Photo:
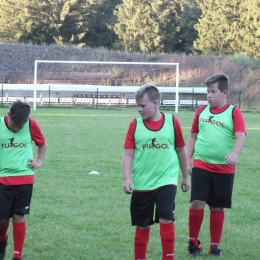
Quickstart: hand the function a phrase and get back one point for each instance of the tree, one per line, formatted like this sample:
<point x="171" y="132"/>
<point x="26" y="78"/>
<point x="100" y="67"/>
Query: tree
<point x="168" y="13"/>
<point x="100" y="16"/>
<point x="60" y="21"/>
<point x="147" y="26"/>
<point x="135" y="28"/>
<point x="75" y="22"/>
<point x="190" y="14"/>
<point x="12" y="17"/>
<point x="214" y="26"/>
<point x="250" y="28"/>
<point x="228" y="27"/>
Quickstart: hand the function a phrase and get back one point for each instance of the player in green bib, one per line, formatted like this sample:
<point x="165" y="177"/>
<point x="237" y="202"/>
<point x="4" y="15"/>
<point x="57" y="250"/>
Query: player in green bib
<point x="217" y="136"/>
<point x="17" y="165"/>
<point x="154" y="152"/>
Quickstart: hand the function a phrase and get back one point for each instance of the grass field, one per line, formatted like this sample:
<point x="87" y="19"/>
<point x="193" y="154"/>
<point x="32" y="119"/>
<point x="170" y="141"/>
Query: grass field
<point x="75" y="215"/>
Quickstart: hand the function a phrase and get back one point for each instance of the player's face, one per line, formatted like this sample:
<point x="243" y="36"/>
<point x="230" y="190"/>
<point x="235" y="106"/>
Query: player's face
<point x="216" y="98"/>
<point x="146" y="108"/>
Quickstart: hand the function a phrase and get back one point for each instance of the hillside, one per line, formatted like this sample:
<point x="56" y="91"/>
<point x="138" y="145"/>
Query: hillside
<point x="244" y="79"/>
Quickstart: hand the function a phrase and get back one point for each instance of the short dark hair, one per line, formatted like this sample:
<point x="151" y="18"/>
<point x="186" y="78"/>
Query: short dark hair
<point x="151" y="90"/>
<point x="221" y="79"/>
<point x="19" y="112"/>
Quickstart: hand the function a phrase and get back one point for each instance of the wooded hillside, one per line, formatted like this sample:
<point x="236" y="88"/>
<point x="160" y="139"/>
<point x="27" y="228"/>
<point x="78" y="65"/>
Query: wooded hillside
<point x="161" y="26"/>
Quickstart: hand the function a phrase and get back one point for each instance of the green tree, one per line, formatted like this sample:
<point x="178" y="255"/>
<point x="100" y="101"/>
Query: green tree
<point x="249" y="34"/>
<point x="61" y="21"/>
<point x="100" y="15"/>
<point x="228" y="27"/>
<point x="168" y="13"/>
<point x="12" y="17"/>
<point x="147" y="26"/>
<point x="190" y="14"/>
<point x="135" y="27"/>
<point x="74" y="22"/>
<point x="218" y="20"/>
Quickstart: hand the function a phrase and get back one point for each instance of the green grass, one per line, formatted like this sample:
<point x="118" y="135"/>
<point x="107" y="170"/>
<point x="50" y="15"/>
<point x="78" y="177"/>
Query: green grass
<point x="75" y="215"/>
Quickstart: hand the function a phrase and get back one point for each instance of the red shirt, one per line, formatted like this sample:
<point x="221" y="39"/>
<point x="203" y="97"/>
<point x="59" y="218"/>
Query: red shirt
<point x="154" y="125"/>
<point x="239" y="126"/>
<point x="39" y="140"/>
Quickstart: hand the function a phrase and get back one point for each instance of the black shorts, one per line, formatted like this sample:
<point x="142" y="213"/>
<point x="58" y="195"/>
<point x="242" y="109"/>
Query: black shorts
<point x="143" y="205"/>
<point x="15" y="200"/>
<point x="213" y="188"/>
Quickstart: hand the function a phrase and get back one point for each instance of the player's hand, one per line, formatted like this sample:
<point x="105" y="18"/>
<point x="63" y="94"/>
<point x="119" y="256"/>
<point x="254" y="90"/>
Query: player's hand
<point x="34" y="163"/>
<point x="128" y="187"/>
<point x="190" y="166"/>
<point x="231" y="158"/>
<point x="185" y="184"/>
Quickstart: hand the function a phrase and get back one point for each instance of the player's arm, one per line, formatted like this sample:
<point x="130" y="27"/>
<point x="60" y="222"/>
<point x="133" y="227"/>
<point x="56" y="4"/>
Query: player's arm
<point x="40" y="142"/>
<point x="36" y="163"/>
<point x="179" y="146"/>
<point x="193" y="137"/>
<point x="231" y="158"/>
<point x="190" y="147"/>
<point x="182" y="157"/>
<point x="240" y="133"/>
<point x="127" y="166"/>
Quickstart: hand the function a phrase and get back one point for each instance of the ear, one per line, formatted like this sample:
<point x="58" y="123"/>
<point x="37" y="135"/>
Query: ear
<point x="156" y="102"/>
<point x="225" y="92"/>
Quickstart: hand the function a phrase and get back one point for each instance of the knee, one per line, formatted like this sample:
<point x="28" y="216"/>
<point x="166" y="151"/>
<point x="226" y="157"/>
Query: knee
<point x="4" y="222"/>
<point x="18" y="218"/>
<point x="197" y="204"/>
<point x="165" y="221"/>
<point x="213" y="209"/>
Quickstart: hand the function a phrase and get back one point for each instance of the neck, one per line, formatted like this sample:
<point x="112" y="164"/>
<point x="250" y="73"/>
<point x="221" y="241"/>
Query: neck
<point x="156" y="117"/>
<point x="222" y="105"/>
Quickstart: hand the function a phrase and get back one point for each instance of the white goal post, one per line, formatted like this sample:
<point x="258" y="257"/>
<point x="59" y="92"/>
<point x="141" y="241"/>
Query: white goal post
<point x="111" y="63"/>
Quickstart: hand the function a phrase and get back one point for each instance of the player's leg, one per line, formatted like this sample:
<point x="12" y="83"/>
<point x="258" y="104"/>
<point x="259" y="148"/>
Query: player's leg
<point x="6" y="196"/>
<point x="21" y="206"/>
<point x="4" y="224"/>
<point x="200" y="188"/>
<point x="142" y="208"/>
<point x="221" y="194"/>
<point x="165" y="206"/>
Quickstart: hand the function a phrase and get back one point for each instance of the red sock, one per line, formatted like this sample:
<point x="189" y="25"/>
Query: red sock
<point x="167" y="240"/>
<point x="3" y="232"/>
<point x="216" y="226"/>
<point x="19" y="230"/>
<point x="140" y="243"/>
<point x="195" y="221"/>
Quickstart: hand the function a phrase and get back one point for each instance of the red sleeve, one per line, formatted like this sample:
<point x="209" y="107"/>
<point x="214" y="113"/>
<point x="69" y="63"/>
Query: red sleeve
<point x="36" y="133"/>
<point x="179" y="140"/>
<point x="195" y="123"/>
<point x="239" y="122"/>
<point x="130" y="139"/>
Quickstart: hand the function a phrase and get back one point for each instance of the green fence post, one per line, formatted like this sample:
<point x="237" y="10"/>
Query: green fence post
<point x="192" y="107"/>
<point x="97" y="99"/>
<point x="2" y="95"/>
<point x="49" y="95"/>
<point x="239" y="99"/>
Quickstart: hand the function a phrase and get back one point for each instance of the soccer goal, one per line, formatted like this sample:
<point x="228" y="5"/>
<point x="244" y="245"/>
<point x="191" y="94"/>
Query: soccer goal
<point x="174" y="88"/>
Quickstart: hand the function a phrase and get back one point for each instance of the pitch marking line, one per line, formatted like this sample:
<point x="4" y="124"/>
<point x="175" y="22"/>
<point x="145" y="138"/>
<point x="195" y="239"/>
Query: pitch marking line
<point x="105" y="115"/>
<point x="76" y="115"/>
